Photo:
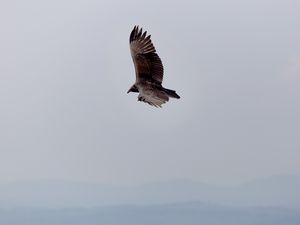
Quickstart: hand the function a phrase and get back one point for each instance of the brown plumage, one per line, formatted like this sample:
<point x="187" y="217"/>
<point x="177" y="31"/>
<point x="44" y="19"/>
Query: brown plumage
<point x="149" y="70"/>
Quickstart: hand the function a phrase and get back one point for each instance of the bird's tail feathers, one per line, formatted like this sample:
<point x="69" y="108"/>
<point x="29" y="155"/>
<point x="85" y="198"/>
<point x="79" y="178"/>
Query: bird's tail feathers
<point x="171" y="93"/>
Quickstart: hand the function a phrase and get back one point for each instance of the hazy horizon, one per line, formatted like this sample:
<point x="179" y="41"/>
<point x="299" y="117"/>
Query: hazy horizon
<point x="271" y="192"/>
<point x="157" y="181"/>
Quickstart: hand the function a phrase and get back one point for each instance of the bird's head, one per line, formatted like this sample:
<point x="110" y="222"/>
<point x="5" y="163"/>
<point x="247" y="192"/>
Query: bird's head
<point x="133" y="89"/>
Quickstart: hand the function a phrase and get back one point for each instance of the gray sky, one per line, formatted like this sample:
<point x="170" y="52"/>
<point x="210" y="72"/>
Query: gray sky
<point x="65" y="68"/>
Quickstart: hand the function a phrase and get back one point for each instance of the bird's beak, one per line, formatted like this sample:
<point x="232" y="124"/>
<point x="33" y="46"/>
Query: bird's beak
<point x="128" y="91"/>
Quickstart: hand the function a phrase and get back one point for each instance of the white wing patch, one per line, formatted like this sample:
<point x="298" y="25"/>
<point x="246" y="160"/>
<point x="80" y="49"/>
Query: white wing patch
<point x="155" y="98"/>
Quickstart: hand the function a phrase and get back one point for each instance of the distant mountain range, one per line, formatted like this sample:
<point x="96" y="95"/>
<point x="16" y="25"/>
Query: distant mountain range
<point x="189" y="213"/>
<point x="276" y="191"/>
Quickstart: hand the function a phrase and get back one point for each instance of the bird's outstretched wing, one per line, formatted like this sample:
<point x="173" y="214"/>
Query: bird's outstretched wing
<point x="148" y="65"/>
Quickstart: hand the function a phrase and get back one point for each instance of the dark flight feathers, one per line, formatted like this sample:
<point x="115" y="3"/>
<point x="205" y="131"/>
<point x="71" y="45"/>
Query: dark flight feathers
<point x="147" y="63"/>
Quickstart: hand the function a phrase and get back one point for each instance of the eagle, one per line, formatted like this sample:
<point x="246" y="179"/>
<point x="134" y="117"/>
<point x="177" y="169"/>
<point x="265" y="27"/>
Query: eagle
<point x="149" y="70"/>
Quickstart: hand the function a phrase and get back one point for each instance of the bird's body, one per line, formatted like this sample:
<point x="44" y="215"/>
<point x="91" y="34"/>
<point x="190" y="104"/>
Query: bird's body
<point x="149" y="70"/>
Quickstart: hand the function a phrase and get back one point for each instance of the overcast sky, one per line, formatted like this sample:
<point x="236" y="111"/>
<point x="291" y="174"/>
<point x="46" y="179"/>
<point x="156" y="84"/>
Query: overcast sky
<point x="65" y="67"/>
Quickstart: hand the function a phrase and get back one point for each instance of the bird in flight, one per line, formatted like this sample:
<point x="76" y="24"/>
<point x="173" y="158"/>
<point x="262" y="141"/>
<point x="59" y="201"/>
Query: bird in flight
<point x="149" y="70"/>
